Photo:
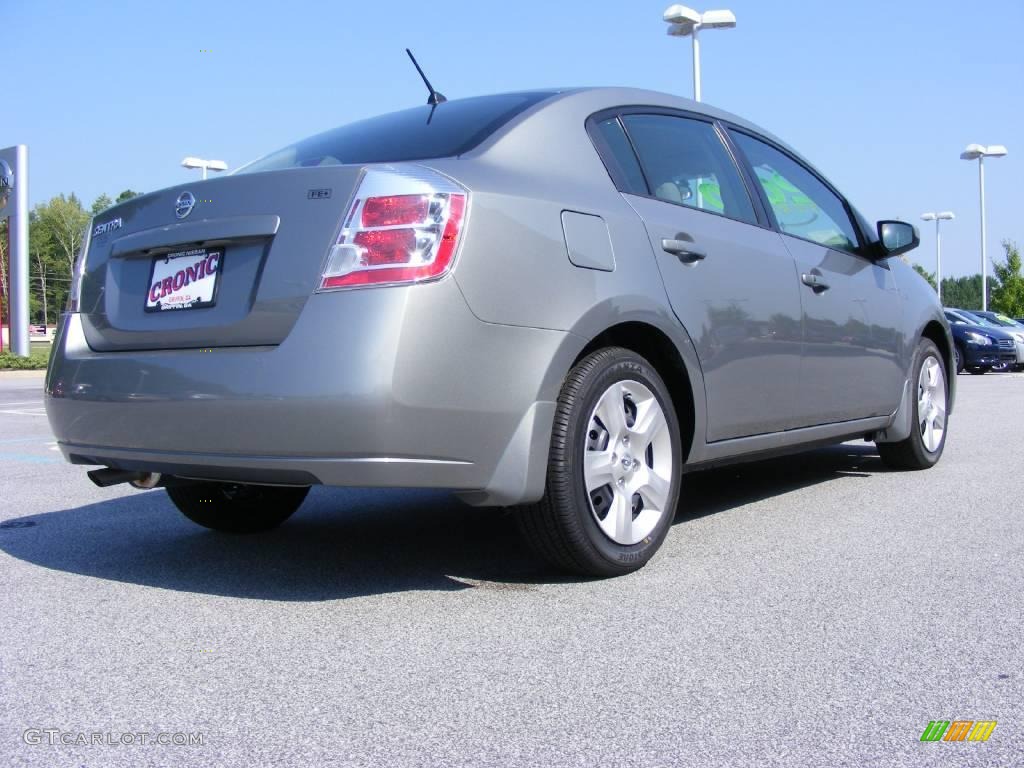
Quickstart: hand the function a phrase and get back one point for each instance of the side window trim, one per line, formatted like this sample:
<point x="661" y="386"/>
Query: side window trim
<point x="604" y="151"/>
<point x="764" y="213"/>
<point x="763" y="197"/>
<point x="761" y="212"/>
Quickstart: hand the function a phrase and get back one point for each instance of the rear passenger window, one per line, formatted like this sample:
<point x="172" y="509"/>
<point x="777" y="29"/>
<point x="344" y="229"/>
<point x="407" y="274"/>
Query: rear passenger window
<point x="803" y="205"/>
<point x="686" y="163"/>
<point x="619" y="158"/>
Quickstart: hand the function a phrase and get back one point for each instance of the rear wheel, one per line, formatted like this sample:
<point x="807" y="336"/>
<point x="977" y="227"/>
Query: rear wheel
<point x="613" y="472"/>
<point x="927" y="438"/>
<point x="236" y="508"/>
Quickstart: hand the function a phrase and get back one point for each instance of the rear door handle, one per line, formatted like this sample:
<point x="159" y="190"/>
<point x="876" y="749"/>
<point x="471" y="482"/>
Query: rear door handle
<point x="686" y="251"/>
<point x="814" y="281"/>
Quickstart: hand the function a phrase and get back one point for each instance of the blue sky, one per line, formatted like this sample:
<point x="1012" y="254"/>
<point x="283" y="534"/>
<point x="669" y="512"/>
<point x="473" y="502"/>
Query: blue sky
<point x="881" y="96"/>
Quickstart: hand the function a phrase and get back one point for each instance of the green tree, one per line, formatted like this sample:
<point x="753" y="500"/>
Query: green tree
<point x="1008" y="293"/>
<point x="101" y="204"/>
<point x="962" y="292"/>
<point x="926" y="275"/>
<point x="128" y="194"/>
<point x="55" y="237"/>
<point x="62" y="221"/>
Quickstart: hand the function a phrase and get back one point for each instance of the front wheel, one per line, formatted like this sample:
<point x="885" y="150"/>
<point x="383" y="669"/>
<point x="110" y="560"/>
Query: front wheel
<point x="923" y="447"/>
<point x="958" y="359"/>
<point x="236" y="508"/>
<point x="614" y="468"/>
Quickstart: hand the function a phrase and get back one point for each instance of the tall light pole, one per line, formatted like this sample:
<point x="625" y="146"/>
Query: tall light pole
<point x="938" y="218"/>
<point x="198" y="162"/>
<point x="979" y="153"/>
<point x="686" y="22"/>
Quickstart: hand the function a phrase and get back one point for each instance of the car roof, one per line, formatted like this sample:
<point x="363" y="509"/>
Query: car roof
<point x="618" y="96"/>
<point x="588" y="100"/>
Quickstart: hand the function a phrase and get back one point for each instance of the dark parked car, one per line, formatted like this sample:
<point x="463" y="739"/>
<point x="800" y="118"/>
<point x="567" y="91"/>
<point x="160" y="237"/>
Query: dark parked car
<point x="1007" y="325"/>
<point x="563" y="300"/>
<point x="979" y="348"/>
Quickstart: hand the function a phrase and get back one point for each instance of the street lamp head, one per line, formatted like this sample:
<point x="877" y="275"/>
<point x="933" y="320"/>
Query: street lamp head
<point x="946" y="216"/>
<point x="680" y="14"/>
<point x="718" y="20"/>
<point x="684" y="20"/>
<point x="681" y="30"/>
<point x="198" y="162"/>
<point x="974" y="151"/>
<point x="927" y="217"/>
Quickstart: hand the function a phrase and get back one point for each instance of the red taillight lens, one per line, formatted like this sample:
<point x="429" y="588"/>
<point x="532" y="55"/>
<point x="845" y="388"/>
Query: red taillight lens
<point x="384" y="247"/>
<point x="395" y="210"/>
<point x="390" y="239"/>
<point x="452" y="227"/>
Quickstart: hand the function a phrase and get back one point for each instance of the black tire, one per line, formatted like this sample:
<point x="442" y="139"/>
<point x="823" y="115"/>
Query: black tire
<point x="235" y="508"/>
<point x="562" y="527"/>
<point x="958" y="358"/>
<point x="912" y="452"/>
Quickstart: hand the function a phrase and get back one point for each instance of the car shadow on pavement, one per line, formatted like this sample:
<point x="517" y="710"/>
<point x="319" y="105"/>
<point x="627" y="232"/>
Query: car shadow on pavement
<point x="716" y="490"/>
<point x="355" y="542"/>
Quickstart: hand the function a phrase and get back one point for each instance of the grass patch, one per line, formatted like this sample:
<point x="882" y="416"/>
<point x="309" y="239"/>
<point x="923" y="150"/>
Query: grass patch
<point x="37" y="360"/>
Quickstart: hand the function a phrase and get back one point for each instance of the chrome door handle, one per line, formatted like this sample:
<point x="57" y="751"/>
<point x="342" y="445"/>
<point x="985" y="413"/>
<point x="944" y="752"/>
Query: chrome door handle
<point x="814" y="281"/>
<point x="686" y="251"/>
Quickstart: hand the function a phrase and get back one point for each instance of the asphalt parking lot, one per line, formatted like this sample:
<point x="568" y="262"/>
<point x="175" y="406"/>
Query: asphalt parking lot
<point x="810" y="611"/>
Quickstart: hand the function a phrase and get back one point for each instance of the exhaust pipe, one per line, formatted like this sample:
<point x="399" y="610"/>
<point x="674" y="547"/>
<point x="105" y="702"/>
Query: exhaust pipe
<point x="147" y="480"/>
<point x="107" y="477"/>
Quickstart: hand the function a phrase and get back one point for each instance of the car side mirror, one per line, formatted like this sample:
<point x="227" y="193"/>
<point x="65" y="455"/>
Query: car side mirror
<point x="896" y="237"/>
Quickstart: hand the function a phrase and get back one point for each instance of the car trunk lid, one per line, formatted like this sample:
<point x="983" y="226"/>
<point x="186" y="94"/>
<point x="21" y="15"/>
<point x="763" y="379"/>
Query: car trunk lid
<point x="262" y="237"/>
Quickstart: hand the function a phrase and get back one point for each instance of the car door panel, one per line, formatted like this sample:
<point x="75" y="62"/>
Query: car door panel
<point x="730" y="281"/>
<point x="851" y="313"/>
<point x="850" y="367"/>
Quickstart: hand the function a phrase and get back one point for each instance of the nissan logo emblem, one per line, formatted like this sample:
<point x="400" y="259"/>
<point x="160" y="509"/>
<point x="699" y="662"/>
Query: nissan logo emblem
<point x="184" y="204"/>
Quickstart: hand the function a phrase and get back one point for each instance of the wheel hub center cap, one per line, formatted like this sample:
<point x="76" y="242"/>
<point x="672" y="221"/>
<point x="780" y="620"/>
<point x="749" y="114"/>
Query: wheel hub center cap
<point x="628" y="463"/>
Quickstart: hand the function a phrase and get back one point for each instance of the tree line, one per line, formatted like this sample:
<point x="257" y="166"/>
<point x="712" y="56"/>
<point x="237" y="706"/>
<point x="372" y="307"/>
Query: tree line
<point x="56" y="230"/>
<point x="1005" y="285"/>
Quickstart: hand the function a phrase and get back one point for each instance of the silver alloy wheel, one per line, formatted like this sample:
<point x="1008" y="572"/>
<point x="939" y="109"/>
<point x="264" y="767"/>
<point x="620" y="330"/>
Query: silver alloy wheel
<point x="627" y="462"/>
<point x="931" y="403"/>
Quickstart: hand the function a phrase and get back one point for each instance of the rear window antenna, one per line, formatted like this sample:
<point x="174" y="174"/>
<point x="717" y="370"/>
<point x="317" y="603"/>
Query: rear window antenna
<point x="436" y="97"/>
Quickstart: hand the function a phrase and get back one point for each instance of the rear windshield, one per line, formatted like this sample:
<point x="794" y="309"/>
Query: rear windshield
<point x="452" y="128"/>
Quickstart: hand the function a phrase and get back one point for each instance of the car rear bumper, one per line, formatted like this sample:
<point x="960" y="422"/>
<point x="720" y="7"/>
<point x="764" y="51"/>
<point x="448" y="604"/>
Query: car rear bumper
<point x="378" y="387"/>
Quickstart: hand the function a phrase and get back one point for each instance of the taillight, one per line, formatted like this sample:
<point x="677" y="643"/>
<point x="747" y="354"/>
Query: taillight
<point x="403" y="227"/>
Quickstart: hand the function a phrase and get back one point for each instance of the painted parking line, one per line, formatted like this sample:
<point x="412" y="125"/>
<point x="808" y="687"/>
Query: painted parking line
<point x="21" y="402"/>
<point x="42" y="440"/>
<point x="21" y="412"/>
